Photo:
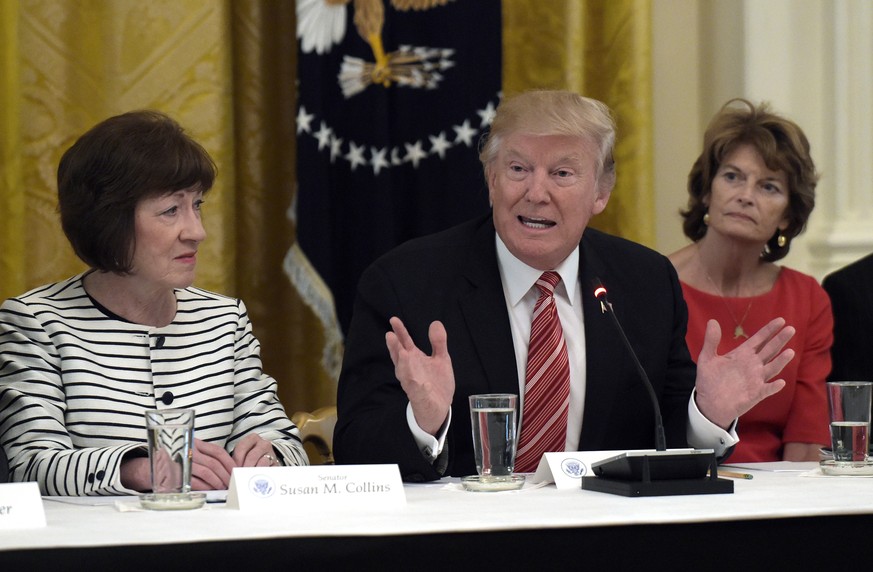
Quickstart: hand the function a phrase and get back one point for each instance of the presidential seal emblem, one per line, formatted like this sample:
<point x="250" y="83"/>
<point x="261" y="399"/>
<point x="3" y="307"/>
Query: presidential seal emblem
<point x="262" y="486"/>
<point x="573" y="468"/>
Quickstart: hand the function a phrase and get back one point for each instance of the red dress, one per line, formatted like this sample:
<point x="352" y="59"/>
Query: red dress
<point x="798" y="413"/>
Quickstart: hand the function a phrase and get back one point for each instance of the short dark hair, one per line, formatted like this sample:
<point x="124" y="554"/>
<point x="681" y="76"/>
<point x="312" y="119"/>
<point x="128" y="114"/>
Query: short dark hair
<point x="111" y="168"/>
<point x="783" y="147"/>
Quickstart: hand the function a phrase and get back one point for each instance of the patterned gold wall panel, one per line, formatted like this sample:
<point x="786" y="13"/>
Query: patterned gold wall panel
<point x="12" y="194"/>
<point x="82" y="61"/>
<point x="618" y="72"/>
<point x="535" y="44"/>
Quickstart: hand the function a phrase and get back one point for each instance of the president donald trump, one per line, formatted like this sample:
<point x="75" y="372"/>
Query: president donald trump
<point x="504" y="304"/>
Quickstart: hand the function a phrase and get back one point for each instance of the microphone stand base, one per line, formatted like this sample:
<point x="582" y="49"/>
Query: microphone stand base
<point x="671" y="487"/>
<point x="658" y="473"/>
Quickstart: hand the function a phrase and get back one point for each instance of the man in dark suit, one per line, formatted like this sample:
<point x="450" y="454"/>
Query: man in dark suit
<point x="851" y="293"/>
<point x="459" y="307"/>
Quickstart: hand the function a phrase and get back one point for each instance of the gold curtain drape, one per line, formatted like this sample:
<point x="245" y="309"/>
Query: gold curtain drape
<point x="225" y="69"/>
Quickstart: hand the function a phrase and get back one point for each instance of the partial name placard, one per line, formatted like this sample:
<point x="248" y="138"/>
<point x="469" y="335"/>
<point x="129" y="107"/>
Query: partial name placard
<point x="566" y="468"/>
<point x="343" y="487"/>
<point x="21" y="506"/>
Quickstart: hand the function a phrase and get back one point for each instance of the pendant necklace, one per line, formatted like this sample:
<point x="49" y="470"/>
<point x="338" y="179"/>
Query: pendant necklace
<point x="739" y="332"/>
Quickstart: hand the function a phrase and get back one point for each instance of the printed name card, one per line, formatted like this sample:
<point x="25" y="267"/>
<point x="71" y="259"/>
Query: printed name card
<point x="343" y="487"/>
<point x="567" y="468"/>
<point x="20" y="506"/>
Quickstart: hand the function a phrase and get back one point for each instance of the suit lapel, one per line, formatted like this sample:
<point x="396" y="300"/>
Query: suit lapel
<point x="483" y="308"/>
<point x="601" y="344"/>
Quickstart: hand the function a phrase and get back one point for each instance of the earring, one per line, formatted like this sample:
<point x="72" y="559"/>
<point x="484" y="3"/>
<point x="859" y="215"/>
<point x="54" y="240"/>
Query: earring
<point x="781" y="240"/>
<point x="706" y="219"/>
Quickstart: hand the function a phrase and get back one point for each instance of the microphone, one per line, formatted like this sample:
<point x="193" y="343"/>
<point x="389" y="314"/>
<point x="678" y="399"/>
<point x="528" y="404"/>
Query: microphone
<point x="606" y="308"/>
<point x="659" y="472"/>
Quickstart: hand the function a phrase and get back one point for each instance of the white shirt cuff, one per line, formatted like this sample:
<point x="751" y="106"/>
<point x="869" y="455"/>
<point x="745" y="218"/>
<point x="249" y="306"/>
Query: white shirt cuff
<point x="429" y="445"/>
<point x="704" y="434"/>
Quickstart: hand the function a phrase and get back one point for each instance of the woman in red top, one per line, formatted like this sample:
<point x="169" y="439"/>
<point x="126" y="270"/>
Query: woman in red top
<point x="750" y="193"/>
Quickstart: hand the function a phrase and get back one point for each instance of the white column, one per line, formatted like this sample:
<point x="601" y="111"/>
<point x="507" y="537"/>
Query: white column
<point x="847" y="231"/>
<point x="813" y="59"/>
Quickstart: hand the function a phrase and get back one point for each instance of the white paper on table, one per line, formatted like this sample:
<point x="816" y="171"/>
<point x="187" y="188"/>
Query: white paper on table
<point x="89" y="501"/>
<point x="21" y="506"/>
<point x="219" y="496"/>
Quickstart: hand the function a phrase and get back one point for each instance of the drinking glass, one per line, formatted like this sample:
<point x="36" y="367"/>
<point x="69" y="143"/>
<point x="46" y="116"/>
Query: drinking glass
<point x="493" y="417"/>
<point x="170" y="435"/>
<point x="849" y="403"/>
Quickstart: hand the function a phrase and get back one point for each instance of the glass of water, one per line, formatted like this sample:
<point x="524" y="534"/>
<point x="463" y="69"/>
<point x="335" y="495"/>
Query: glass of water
<point x="170" y="434"/>
<point x="493" y="417"/>
<point x="849" y="403"/>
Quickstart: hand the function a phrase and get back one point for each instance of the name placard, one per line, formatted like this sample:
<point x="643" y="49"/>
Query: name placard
<point x="343" y="487"/>
<point x="21" y="506"/>
<point x="565" y="469"/>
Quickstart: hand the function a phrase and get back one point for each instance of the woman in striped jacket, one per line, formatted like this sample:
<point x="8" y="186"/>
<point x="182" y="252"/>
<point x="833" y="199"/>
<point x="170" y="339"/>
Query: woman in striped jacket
<point x="82" y="359"/>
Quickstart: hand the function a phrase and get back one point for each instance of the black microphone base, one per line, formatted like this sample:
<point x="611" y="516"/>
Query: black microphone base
<point x="658" y="473"/>
<point x="704" y="486"/>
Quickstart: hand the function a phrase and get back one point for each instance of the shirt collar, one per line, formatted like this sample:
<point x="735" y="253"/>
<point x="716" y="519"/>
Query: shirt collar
<point x="519" y="278"/>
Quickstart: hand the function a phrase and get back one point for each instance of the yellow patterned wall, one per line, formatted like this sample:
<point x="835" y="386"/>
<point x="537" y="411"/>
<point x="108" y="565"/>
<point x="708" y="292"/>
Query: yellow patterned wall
<point x="82" y="61"/>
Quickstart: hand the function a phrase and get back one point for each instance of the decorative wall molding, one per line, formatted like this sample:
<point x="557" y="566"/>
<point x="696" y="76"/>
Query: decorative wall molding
<point x="812" y="59"/>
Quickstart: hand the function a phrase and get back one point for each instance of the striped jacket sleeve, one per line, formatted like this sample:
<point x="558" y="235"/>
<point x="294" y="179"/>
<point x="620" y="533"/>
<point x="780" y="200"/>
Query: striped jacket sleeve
<point x="32" y="413"/>
<point x="256" y="404"/>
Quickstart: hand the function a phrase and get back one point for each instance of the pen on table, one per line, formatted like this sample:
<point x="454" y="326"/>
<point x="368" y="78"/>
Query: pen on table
<point x="734" y="474"/>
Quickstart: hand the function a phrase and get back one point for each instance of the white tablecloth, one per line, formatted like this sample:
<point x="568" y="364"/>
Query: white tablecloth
<point x="442" y="507"/>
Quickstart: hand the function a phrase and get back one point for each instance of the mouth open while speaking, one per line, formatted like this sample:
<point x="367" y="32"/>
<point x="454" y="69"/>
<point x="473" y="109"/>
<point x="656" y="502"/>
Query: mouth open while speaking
<point x="536" y="223"/>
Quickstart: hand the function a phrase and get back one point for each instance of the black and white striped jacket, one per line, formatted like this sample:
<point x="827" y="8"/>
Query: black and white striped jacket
<point x="75" y="381"/>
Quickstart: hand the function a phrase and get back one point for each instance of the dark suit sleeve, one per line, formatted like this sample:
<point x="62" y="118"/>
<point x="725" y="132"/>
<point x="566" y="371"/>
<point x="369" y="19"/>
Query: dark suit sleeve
<point x="675" y="376"/>
<point x="371" y="405"/>
<point x="681" y="371"/>
<point x="681" y="374"/>
<point x="851" y="297"/>
<point x="647" y="299"/>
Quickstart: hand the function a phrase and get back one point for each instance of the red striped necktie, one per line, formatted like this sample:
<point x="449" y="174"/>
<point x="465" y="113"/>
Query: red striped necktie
<point x="547" y="382"/>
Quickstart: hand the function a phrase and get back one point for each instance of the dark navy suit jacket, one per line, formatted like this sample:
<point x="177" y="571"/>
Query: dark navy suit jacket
<point x="453" y="277"/>
<point x="851" y="293"/>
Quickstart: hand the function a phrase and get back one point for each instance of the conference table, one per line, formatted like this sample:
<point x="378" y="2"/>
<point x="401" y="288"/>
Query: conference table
<point x="787" y="515"/>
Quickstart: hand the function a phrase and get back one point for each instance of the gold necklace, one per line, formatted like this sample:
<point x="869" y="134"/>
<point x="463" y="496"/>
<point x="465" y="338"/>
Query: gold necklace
<point x="739" y="332"/>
